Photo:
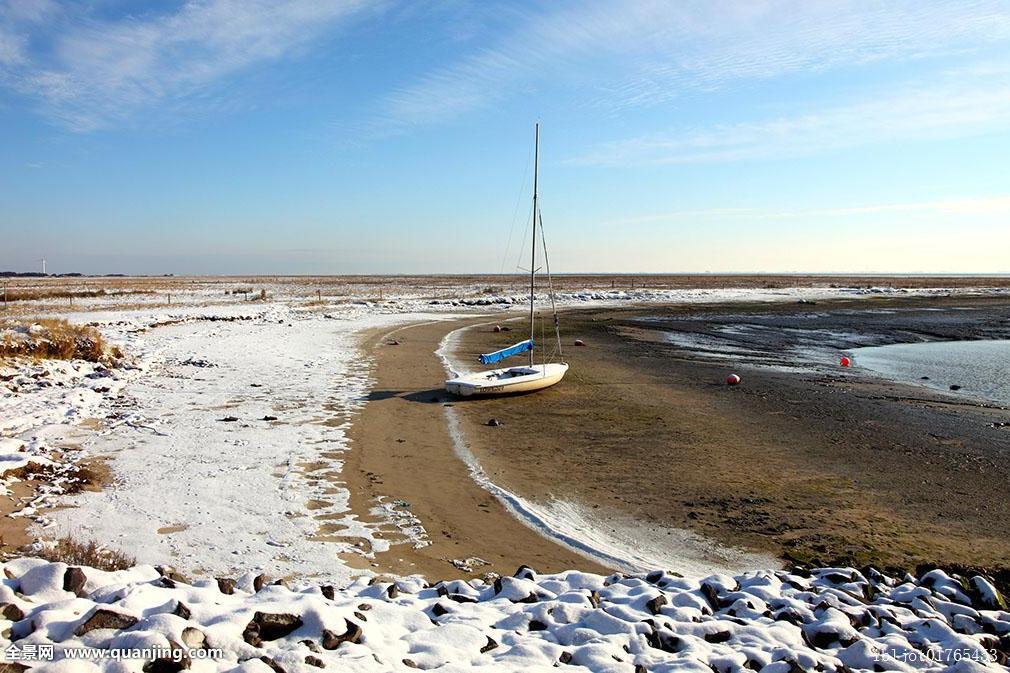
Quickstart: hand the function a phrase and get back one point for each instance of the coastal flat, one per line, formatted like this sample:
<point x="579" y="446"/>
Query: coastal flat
<point x="823" y="466"/>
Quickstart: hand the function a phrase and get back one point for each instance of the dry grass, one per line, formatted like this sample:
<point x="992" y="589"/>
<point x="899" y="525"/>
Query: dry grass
<point x="37" y="294"/>
<point x="54" y="338"/>
<point x="78" y="553"/>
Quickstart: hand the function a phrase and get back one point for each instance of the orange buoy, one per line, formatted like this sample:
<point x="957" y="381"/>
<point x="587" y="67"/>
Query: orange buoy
<point x="732" y="380"/>
<point x="845" y="361"/>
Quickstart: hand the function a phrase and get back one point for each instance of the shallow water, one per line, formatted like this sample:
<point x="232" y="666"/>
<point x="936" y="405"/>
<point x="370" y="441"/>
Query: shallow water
<point x="981" y="368"/>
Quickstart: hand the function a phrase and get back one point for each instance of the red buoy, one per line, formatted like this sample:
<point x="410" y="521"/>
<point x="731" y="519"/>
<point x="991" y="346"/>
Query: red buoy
<point x="845" y="361"/>
<point x="732" y="380"/>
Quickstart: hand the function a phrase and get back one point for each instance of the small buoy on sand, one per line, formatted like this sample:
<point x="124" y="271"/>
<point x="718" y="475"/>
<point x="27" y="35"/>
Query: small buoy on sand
<point x="497" y="328"/>
<point x="733" y="380"/>
<point x="580" y="342"/>
<point x="845" y="362"/>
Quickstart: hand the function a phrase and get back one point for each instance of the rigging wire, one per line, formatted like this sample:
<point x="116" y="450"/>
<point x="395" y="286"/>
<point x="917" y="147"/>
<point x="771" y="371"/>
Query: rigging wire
<point x="550" y="285"/>
<point x="515" y="212"/>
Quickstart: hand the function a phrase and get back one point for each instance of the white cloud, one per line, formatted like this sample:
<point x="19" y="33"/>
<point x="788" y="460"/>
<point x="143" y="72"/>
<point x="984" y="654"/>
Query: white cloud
<point x="952" y="108"/>
<point x="646" y="52"/>
<point x="97" y="72"/>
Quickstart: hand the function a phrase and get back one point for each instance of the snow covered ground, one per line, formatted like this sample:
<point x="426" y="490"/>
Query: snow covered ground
<point x="224" y="433"/>
<point x="833" y="619"/>
<point x="226" y="446"/>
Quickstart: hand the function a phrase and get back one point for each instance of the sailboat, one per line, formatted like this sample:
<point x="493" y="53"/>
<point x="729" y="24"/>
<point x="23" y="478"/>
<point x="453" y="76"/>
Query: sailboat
<point x="532" y="376"/>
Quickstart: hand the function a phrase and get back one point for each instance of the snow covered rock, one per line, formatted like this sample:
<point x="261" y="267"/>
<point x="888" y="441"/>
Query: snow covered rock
<point x="832" y="619"/>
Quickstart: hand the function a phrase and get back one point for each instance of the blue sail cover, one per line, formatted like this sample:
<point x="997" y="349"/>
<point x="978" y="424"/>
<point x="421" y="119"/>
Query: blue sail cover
<point x="498" y="356"/>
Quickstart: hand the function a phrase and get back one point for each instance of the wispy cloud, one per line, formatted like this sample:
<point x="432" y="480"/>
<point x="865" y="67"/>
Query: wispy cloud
<point x="92" y="73"/>
<point x="645" y="52"/>
<point x="955" y="107"/>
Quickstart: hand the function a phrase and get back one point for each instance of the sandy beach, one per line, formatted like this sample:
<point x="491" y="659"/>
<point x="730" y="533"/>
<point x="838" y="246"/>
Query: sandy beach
<point x="401" y="448"/>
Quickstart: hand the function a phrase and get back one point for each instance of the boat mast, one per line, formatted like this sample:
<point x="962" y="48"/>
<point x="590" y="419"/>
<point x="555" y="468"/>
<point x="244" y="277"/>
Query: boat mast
<point x="533" y="249"/>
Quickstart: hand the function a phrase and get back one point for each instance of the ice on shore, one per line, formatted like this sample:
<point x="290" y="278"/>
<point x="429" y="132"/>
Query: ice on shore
<point x="831" y="619"/>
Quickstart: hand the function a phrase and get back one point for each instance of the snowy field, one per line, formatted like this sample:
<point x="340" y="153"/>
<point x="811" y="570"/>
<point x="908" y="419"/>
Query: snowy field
<point x="224" y="430"/>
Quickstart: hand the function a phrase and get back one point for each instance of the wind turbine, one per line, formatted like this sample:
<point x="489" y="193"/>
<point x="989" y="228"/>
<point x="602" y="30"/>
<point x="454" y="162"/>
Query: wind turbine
<point x="43" y="260"/>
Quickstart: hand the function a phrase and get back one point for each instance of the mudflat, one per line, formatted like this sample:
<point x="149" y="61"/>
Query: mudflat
<point x="804" y="459"/>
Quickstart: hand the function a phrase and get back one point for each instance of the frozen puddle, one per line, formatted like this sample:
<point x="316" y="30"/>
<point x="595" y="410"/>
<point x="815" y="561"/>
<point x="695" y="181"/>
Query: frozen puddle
<point x="230" y="449"/>
<point x="612" y="539"/>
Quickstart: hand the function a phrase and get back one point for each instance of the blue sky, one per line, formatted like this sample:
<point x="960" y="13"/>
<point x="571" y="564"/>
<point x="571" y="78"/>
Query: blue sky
<point x="303" y="136"/>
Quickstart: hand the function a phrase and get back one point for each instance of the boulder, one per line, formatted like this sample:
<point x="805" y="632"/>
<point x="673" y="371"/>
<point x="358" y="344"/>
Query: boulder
<point x="270" y="626"/>
<point x="332" y="641"/>
<point x="74" y="581"/>
<point x="102" y="618"/>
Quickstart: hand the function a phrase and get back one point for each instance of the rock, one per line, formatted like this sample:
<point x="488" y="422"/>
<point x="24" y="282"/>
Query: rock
<point x="269" y="418"/>
<point x="74" y="581"/>
<point x="954" y="386"/>
<point x="491" y="644"/>
<point x="105" y="619"/>
<point x="410" y="663"/>
<point x="274" y="666"/>
<point x="655" y="604"/>
<point x="580" y="342"/>
<point x="229" y="419"/>
<point x="565" y="658"/>
<point x="226" y="585"/>
<point x="985" y="595"/>
<point x="438" y="610"/>
<point x="332" y="641"/>
<point x="270" y="626"/>
<point x="171" y="573"/>
<point x="392" y="591"/>
<point x="524" y="572"/>
<point x="259" y="582"/>
<point x="11" y="612"/>
<point x="327" y="592"/>
<point x="497" y="328"/>
<point x="314" y="661"/>
<point x="194" y="639"/>
<point x="167" y="665"/>
<point x="717" y="637"/>
<point x="662" y="640"/>
<point x="181" y="610"/>
<point x="537" y="625"/>
<point x="494" y="423"/>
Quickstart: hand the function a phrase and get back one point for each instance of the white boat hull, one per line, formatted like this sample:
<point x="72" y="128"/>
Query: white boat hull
<point x="507" y="381"/>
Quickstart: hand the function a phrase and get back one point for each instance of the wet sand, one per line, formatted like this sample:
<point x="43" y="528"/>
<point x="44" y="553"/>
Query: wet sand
<point x="401" y="449"/>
